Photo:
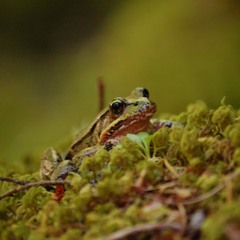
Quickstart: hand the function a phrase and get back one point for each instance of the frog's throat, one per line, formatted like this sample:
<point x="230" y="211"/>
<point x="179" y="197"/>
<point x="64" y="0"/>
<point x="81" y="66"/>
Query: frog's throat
<point x="139" y="122"/>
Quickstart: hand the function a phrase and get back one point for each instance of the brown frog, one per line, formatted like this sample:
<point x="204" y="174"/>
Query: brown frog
<point x="124" y="115"/>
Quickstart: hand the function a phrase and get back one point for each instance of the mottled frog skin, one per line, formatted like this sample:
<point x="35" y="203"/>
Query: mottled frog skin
<point x="123" y="115"/>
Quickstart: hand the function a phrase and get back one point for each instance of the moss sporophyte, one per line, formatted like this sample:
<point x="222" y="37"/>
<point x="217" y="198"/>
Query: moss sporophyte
<point x="129" y="177"/>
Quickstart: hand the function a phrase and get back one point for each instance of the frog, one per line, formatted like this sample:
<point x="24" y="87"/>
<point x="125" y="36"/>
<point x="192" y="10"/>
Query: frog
<point x="132" y="114"/>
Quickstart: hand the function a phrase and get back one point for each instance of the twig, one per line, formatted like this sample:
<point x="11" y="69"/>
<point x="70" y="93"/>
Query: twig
<point x="215" y="190"/>
<point x="11" y="180"/>
<point x="148" y="227"/>
<point x="204" y="196"/>
<point x="101" y="92"/>
<point x="32" y="184"/>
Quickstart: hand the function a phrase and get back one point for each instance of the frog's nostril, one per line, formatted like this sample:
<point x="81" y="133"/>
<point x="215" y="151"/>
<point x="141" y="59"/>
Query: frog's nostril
<point x="145" y="92"/>
<point x="136" y="103"/>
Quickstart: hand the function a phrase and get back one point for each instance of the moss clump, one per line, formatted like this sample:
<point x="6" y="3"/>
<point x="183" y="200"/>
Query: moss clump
<point x="224" y="223"/>
<point x="185" y="179"/>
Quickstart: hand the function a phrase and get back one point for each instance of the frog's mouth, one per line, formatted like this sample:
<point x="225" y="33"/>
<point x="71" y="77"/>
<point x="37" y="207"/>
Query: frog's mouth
<point x="139" y="122"/>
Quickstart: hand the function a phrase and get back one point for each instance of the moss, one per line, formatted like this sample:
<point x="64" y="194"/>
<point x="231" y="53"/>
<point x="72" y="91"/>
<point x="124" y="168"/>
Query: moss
<point x="224" y="116"/>
<point x="233" y="133"/>
<point x="190" y="145"/>
<point x="218" y="225"/>
<point x="207" y="181"/>
<point x="165" y="178"/>
<point x="198" y="114"/>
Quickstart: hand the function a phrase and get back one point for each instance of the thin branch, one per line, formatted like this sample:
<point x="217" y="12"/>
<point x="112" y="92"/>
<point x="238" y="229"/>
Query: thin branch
<point x="148" y="227"/>
<point x="215" y="190"/>
<point x="204" y="196"/>
<point x="32" y="184"/>
<point x="11" y="180"/>
<point x="101" y="92"/>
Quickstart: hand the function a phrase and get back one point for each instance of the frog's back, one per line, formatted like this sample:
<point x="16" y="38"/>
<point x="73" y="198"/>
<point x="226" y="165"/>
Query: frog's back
<point x="90" y="136"/>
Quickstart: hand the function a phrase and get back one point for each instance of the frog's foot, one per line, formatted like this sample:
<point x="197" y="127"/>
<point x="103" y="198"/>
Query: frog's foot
<point x="159" y="123"/>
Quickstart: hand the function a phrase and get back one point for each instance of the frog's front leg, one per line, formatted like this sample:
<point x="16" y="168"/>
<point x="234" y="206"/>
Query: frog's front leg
<point x="50" y="160"/>
<point x="53" y="167"/>
<point x="159" y="123"/>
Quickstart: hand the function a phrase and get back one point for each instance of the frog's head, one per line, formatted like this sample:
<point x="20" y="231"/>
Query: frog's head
<point x="129" y="115"/>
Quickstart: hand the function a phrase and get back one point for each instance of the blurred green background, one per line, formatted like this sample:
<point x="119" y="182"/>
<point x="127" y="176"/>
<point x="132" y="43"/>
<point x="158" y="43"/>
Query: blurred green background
<point x="52" y="52"/>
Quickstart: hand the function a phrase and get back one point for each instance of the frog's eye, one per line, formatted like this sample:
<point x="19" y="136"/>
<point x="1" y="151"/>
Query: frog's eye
<point x="117" y="106"/>
<point x="145" y="92"/>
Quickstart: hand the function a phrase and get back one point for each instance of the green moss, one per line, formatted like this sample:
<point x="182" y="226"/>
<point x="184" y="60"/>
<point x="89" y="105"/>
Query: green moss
<point x="233" y="133"/>
<point x="164" y="177"/>
<point x="224" y="116"/>
<point x="218" y="225"/>
<point x="198" y="114"/>
<point x="207" y="181"/>
<point x="160" y="141"/>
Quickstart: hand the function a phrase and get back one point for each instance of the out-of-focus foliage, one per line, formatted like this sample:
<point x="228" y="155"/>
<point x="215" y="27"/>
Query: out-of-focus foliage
<point x="53" y="51"/>
<point x="186" y="179"/>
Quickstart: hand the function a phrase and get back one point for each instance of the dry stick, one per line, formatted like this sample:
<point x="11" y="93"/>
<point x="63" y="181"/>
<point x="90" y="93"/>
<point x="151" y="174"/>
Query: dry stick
<point x="11" y="180"/>
<point x="148" y="227"/>
<point x="33" y="184"/>
<point x="215" y="190"/>
<point x="101" y="92"/>
<point x="204" y="196"/>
